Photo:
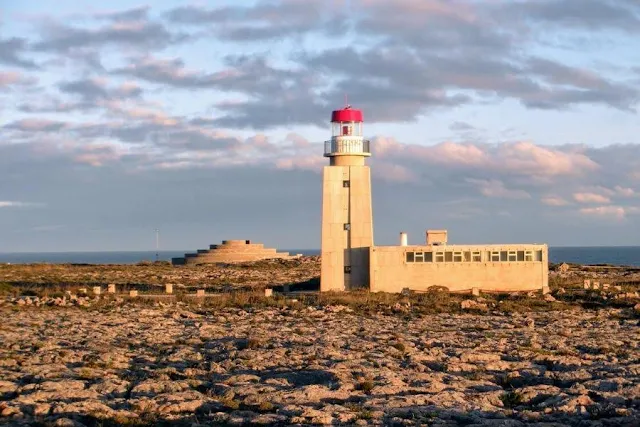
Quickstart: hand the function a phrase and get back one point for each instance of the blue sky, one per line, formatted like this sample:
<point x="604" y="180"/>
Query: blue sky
<point x="504" y="121"/>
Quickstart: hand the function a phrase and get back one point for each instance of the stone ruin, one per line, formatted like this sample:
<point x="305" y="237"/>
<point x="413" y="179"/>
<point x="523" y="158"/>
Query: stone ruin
<point x="231" y="251"/>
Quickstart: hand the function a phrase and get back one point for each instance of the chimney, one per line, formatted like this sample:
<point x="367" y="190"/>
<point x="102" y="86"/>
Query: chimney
<point x="403" y="238"/>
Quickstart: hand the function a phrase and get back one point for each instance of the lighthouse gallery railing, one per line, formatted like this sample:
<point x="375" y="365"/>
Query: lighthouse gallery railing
<point x="347" y="146"/>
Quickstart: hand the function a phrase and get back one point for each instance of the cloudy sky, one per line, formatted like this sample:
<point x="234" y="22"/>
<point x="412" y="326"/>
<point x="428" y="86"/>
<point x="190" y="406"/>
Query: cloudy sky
<point x="501" y="120"/>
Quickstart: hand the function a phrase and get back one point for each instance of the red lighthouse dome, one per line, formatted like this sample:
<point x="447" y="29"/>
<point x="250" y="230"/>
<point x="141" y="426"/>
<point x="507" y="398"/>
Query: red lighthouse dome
<point x="347" y="114"/>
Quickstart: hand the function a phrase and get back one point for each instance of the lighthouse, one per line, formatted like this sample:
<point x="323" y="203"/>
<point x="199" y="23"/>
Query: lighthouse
<point x="347" y="221"/>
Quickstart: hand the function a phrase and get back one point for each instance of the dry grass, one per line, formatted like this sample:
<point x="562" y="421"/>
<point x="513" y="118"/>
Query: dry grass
<point x="241" y="286"/>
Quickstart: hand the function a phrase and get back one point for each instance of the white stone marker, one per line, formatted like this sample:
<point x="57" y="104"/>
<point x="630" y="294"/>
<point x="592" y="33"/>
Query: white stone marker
<point x="200" y="293"/>
<point x="133" y="293"/>
<point x="168" y="288"/>
<point x="268" y="292"/>
<point x="112" y="288"/>
<point x="96" y="290"/>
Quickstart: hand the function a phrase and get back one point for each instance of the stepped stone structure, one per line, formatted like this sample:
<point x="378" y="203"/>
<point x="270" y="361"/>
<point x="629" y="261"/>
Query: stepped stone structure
<point x="231" y="251"/>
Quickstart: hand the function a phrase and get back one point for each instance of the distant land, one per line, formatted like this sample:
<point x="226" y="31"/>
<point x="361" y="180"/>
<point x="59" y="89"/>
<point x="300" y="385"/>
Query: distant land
<point x="615" y="255"/>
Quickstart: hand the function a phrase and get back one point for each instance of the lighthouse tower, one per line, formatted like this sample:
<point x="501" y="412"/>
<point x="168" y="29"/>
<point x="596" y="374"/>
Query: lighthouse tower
<point x="347" y="222"/>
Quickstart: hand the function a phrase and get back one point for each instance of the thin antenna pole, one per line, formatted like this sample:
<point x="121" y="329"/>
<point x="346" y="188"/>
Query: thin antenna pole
<point x="157" y="243"/>
<point x="346" y="100"/>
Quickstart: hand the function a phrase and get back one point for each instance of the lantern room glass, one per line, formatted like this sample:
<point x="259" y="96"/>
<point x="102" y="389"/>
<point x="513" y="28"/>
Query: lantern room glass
<point x="346" y="128"/>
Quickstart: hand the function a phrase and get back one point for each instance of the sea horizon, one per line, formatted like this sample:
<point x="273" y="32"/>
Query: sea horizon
<point x="613" y="255"/>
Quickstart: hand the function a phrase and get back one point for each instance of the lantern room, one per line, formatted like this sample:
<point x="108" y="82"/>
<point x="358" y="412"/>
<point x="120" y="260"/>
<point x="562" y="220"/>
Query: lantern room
<point x="346" y="122"/>
<point x="346" y="134"/>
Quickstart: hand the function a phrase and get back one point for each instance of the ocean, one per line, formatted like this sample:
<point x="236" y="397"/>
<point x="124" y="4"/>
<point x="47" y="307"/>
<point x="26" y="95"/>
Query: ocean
<point x="614" y="255"/>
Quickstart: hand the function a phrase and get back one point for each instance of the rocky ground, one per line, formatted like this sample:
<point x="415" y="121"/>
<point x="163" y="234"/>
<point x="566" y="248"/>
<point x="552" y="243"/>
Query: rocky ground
<point x="571" y="358"/>
<point x="303" y="365"/>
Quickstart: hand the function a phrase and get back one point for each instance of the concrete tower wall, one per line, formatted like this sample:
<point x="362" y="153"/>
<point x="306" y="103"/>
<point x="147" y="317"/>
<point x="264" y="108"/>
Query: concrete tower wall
<point x="335" y="212"/>
<point x="347" y="225"/>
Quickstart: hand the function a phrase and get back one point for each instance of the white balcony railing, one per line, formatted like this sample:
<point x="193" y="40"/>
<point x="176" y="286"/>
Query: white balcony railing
<point x="355" y="146"/>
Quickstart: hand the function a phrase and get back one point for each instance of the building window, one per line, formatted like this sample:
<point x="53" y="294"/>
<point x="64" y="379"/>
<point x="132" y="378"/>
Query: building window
<point x="410" y="257"/>
<point x="538" y="256"/>
<point x="503" y="256"/>
<point x="439" y="256"/>
<point x="528" y="255"/>
<point x="494" y="256"/>
<point x="512" y="256"/>
<point x="428" y="257"/>
<point x="345" y="184"/>
<point x="448" y="257"/>
<point x="467" y="256"/>
<point x="476" y="256"/>
<point x="419" y="257"/>
<point x="457" y="257"/>
<point x="520" y="255"/>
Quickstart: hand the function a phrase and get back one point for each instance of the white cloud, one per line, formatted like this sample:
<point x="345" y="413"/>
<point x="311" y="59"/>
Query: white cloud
<point x="14" y="204"/>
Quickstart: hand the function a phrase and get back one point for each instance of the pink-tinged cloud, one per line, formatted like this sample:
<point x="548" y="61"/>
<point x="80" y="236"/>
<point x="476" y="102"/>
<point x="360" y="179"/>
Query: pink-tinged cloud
<point x="313" y="163"/>
<point x="97" y="154"/>
<point x="128" y="88"/>
<point x="394" y="172"/>
<point x="36" y="125"/>
<point x="521" y="158"/>
<point x="554" y="201"/>
<point x="297" y="140"/>
<point x="382" y="146"/>
<point x="141" y="113"/>
<point x="625" y="191"/>
<point x="609" y="212"/>
<point x="261" y="141"/>
<point x="528" y="158"/>
<point x="456" y="154"/>
<point x="591" y="198"/>
<point x="496" y="189"/>
<point x="451" y="9"/>
<point x="7" y="78"/>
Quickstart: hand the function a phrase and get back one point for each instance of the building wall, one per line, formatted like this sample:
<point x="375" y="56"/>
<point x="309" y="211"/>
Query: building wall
<point x="360" y="237"/>
<point x="350" y="204"/>
<point x="391" y="272"/>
